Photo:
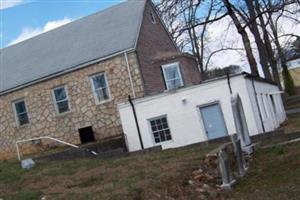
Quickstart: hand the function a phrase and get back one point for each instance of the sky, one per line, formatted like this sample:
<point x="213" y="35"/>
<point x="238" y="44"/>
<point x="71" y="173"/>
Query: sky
<point x="22" y="19"/>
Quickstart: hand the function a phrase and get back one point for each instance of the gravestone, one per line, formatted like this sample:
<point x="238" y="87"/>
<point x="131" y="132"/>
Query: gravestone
<point x="241" y="123"/>
<point x="240" y="159"/>
<point x="225" y="169"/>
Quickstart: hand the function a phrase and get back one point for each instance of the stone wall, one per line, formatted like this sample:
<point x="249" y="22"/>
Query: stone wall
<point x="44" y="121"/>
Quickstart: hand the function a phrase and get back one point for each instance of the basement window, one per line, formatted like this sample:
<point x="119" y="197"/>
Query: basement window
<point x="21" y="112"/>
<point x="60" y="95"/>
<point x="160" y="129"/>
<point x="100" y="88"/>
<point x="172" y="75"/>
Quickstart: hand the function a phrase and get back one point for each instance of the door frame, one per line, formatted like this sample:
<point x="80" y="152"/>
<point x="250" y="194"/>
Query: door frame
<point x="218" y="103"/>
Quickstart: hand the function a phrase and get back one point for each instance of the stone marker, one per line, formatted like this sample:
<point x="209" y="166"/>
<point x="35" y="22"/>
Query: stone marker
<point x="241" y="162"/>
<point x="241" y="123"/>
<point x="27" y="164"/>
<point x="226" y="173"/>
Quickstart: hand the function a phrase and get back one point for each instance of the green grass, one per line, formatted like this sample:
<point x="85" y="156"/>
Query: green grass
<point x="274" y="175"/>
<point x="134" y="177"/>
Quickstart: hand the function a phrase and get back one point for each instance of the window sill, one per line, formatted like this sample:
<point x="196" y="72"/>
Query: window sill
<point x="22" y="126"/>
<point x="173" y="90"/>
<point x="63" y="114"/>
<point x="165" y="142"/>
<point x="104" y="102"/>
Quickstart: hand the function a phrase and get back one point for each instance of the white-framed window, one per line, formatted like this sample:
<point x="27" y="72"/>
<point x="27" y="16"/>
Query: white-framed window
<point x="20" y="111"/>
<point x="100" y="88"/>
<point x="160" y="129"/>
<point x="152" y="17"/>
<point x="172" y="75"/>
<point x="61" y="99"/>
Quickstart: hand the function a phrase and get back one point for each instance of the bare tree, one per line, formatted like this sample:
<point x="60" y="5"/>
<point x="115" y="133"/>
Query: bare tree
<point x="241" y="30"/>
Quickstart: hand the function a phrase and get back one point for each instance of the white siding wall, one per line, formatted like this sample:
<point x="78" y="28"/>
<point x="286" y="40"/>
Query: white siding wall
<point x="272" y="118"/>
<point x="184" y="117"/>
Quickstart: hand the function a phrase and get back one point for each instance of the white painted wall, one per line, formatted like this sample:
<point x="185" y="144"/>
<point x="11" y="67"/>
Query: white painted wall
<point x="272" y="117"/>
<point x="184" y="117"/>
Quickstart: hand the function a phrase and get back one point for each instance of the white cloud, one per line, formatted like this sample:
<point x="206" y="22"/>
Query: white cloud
<point x="29" y="32"/>
<point x="4" y="4"/>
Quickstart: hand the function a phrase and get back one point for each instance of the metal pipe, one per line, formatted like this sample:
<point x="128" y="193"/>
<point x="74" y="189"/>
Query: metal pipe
<point x="39" y="138"/>
<point x="129" y="75"/>
<point x="228" y="82"/>
<point x="136" y="121"/>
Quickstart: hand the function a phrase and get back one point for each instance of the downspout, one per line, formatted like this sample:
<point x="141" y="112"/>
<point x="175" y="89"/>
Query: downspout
<point x="229" y="83"/>
<point x="136" y="121"/>
<point x="259" y="111"/>
<point x="129" y="75"/>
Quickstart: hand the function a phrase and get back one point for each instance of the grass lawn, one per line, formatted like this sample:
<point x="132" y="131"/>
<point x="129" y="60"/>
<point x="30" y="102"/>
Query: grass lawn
<point x="151" y="176"/>
<point x="293" y="124"/>
<point x="274" y="175"/>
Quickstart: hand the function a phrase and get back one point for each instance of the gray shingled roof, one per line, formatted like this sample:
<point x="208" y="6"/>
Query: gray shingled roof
<point x="93" y="37"/>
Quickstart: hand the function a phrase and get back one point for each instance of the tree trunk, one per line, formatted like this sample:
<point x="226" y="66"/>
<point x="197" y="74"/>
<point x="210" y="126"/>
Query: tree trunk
<point x="259" y="42"/>
<point x="287" y="79"/>
<point x="267" y="42"/>
<point x="245" y="38"/>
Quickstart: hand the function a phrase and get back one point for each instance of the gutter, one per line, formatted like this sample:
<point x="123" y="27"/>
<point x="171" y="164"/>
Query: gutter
<point x="136" y="121"/>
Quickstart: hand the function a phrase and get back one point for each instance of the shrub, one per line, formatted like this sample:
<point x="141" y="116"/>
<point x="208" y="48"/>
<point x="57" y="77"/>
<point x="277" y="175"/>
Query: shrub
<point x="288" y="82"/>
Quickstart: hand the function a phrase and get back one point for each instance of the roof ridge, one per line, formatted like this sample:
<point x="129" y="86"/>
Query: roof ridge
<point x="68" y="24"/>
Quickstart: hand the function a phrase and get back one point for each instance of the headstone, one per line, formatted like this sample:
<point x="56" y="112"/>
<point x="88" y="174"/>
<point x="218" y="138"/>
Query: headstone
<point x="226" y="173"/>
<point x="241" y="162"/>
<point x="27" y="164"/>
<point x="241" y="123"/>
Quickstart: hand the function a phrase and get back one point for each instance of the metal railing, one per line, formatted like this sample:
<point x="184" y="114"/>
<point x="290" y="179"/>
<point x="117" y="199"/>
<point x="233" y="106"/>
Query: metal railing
<point x="39" y="138"/>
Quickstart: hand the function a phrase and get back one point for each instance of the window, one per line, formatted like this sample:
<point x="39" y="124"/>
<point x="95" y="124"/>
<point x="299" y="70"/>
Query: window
<point x="61" y="99"/>
<point x="21" y="112"/>
<point x="160" y="129"/>
<point x="100" y="87"/>
<point x="172" y="76"/>
<point x="152" y="16"/>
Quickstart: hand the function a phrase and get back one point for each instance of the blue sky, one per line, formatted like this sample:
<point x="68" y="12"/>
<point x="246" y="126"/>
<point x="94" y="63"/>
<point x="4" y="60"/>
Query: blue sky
<point x="21" y="19"/>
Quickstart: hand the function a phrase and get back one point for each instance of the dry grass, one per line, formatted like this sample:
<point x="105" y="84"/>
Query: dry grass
<point x="293" y="123"/>
<point x="274" y="175"/>
<point x="151" y="176"/>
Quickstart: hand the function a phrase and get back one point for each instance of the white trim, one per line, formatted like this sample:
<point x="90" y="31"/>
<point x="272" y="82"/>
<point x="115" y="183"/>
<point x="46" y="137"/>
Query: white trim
<point x="129" y="75"/>
<point x="16" y="114"/>
<point x="164" y="67"/>
<point x="66" y="71"/>
<point x="56" y="102"/>
<point x="94" y="89"/>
